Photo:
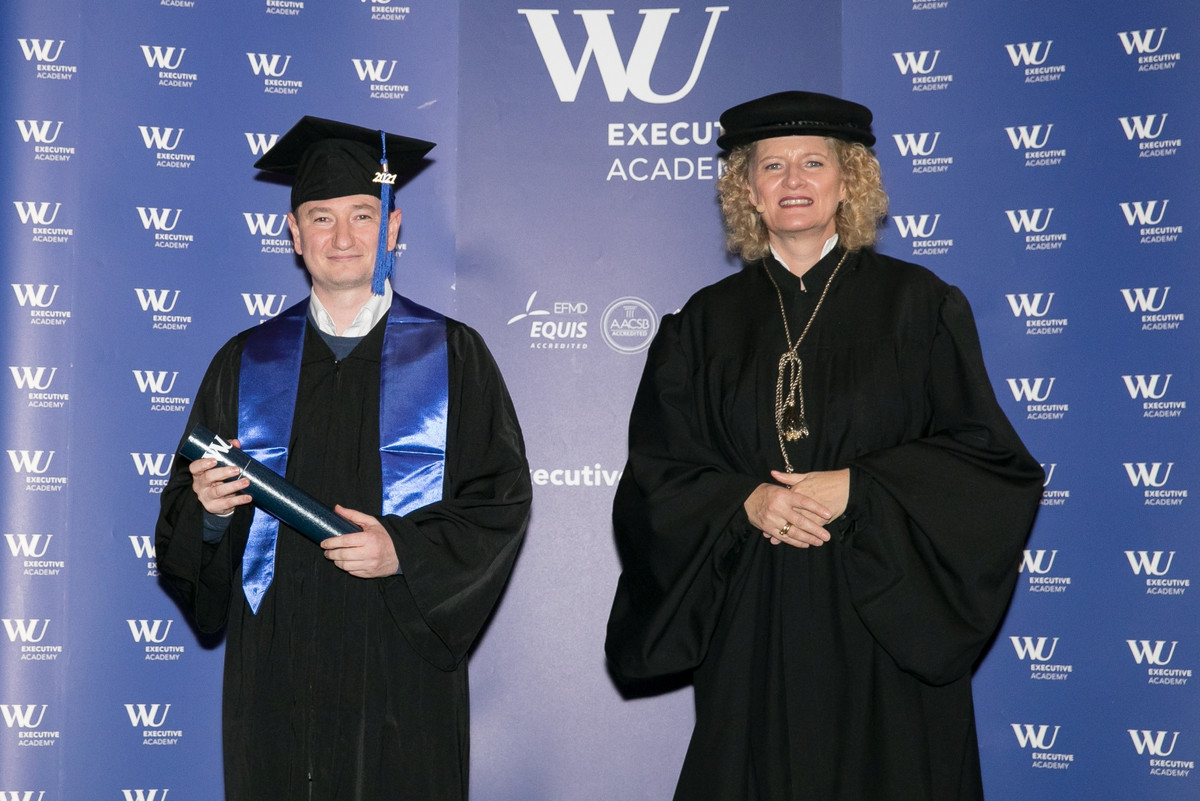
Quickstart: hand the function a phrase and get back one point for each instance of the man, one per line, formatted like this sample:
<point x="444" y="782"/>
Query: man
<point x="345" y="662"/>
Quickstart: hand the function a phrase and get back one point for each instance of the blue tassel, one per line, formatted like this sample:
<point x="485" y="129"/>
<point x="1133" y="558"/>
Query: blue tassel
<point x="385" y="259"/>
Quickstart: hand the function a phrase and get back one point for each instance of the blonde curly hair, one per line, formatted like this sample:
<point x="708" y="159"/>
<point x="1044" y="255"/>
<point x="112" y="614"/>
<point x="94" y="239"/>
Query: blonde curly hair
<point x="858" y="217"/>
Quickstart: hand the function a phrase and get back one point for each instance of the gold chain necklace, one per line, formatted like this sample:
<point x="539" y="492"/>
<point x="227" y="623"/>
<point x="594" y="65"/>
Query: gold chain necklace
<point x="790" y="423"/>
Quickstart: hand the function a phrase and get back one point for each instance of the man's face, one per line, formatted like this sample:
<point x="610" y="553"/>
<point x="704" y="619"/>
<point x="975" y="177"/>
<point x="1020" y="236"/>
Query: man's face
<point x="337" y="238"/>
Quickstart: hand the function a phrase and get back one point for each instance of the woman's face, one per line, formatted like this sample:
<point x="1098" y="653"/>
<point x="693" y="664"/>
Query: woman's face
<point x="796" y="183"/>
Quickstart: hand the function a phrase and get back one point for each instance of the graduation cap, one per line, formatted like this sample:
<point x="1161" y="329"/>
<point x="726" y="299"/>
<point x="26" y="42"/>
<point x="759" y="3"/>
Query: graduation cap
<point x="795" y="114"/>
<point x="329" y="159"/>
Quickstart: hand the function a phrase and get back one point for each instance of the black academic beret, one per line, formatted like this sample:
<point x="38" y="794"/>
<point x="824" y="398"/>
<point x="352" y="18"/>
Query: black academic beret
<point x="329" y="159"/>
<point x="795" y="114"/>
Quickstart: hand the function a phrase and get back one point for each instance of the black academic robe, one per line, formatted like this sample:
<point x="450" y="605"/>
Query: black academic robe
<point x="839" y="672"/>
<point x="341" y="687"/>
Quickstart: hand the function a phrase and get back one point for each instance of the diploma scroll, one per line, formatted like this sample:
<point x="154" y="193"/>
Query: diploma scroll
<point x="271" y="492"/>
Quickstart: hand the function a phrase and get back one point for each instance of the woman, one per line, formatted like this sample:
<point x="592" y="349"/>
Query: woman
<point x="824" y="507"/>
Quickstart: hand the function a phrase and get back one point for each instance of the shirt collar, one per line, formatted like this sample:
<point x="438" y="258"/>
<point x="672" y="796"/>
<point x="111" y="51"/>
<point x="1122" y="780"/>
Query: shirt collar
<point x="374" y="310"/>
<point x="830" y="244"/>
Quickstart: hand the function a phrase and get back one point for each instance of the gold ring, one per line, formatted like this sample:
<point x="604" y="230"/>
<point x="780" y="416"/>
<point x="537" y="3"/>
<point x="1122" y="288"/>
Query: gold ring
<point x="786" y="528"/>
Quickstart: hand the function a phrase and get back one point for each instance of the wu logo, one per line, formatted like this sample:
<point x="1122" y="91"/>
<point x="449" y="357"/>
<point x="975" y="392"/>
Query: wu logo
<point x="144" y="795"/>
<point x="261" y="143"/>
<point x="149" y="631"/>
<point x="1145" y="300"/>
<point x="1030" y="54"/>
<point x="917" y="227"/>
<point x="1034" y="648"/>
<point x="39" y="130"/>
<point x="1030" y="390"/>
<point x="33" y="377"/>
<point x="37" y="213"/>
<point x="268" y="64"/>
<point x="36" y="462"/>
<point x="1029" y="221"/>
<point x="1141" y="41"/>
<point x="620" y="77"/>
<point x="1147" y="562"/>
<point x="30" y="546"/>
<point x="265" y="224"/>
<point x="263" y="305"/>
<point x="1036" y="562"/>
<point x="17" y="795"/>
<point x="1028" y="137"/>
<point x="1143" y="127"/>
<point x="1049" y="468"/>
<point x="916" y="144"/>
<point x="25" y="630"/>
<point x="1140" y="387"/>
<point x="30" y="295"/>
<point x="1143" y="475"/>
<point x="159" y="219"/>
<point x="143" y="715"/>
<point x="23" y="716"/>
<point x="1030" y="305"/>
<point x="1145" y="653"/>
<point x="156" y="299"/>
<point x="916" y="63"/>
<point x="163" y="58"/>
<point x="155" y="464"/>
<point x="154" y="383"/>
<point x="39" y="49"/>
<point x="1140" y="213"/>
<point x="160" y="138"/>
<point x="1152" y="743"/>
<point x="372" y="71"/>
<point x="1030" y="735"/>
<point x="143" y="546"/>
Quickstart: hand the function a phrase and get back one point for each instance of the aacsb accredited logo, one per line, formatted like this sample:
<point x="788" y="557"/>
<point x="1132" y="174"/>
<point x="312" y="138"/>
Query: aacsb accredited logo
<point x="1156" y="655"/>
<point x="36" y="467"/>
<point x="1033" y="142"/>
<point x="28" y="722"/>
<point x="386" y="10"/>
<point x="40" y="299"/>
<point x="1155" y="566"/>
<point x="272" y="68"/>
<point x="1040" y="739"/>
<point x="285" y="8"/>
<point x="37" y="382"/>
<point x="160" y="305"/>
<point x="1035" y="308"/>
<point x="1157" y="746"/>
<point x="165" y="224"/>
<point x="41" y="216"/>
<point x="158" y="385"/>
<point x="1149" y="303"/>
<point x="1153" y="478"/>
<point x="921" y="230"/>
<point x="921" y="149"/>
<point x="1147" y="216"/>
<point x="1055" y="496"/>
<point x="922" y="66"/>
<point x="1038" y="567"/>
<point x="1146" y="48"/>
<point x="152" y="720"/>
<point x="156" y="467"/>
<point x="1035" y="394"/>
<point x="1031" y="58"/>
<point x="164" y="143"/>
<point x="153" y="635"/>
<point x="46" y="54"/>
<point x="562" y="326"/>
<point x="629" y="325"/>
<point x="1148" y="131"/>
<point x="1151" y="389"/>
<point x="43" y="135"/>
<point x="143" y="549"/>
<point x="378" y="74"/>
<point x="1034" y="224"/>
<point x="167" y="62"/>
<point x="32" y="550"/>
<point x="30" y="633"/>
<point x="1038" y="652"/>
<point x="271" y="231"/>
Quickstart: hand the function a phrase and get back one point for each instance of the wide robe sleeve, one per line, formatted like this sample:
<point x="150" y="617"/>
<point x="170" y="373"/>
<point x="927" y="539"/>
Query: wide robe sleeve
<point x="936" y="525"/>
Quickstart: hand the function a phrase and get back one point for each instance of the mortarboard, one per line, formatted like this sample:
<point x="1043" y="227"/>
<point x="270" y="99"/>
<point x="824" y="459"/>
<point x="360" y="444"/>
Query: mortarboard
<point x="795" y="114"/>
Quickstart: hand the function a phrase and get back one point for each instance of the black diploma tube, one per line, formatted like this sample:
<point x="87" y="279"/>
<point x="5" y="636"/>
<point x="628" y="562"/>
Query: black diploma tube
<point x="271" y="492"/>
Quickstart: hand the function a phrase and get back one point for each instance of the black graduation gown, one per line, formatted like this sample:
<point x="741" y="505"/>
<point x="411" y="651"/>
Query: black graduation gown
<point x="340" y="687"/>
<point x="838" y="672"/>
